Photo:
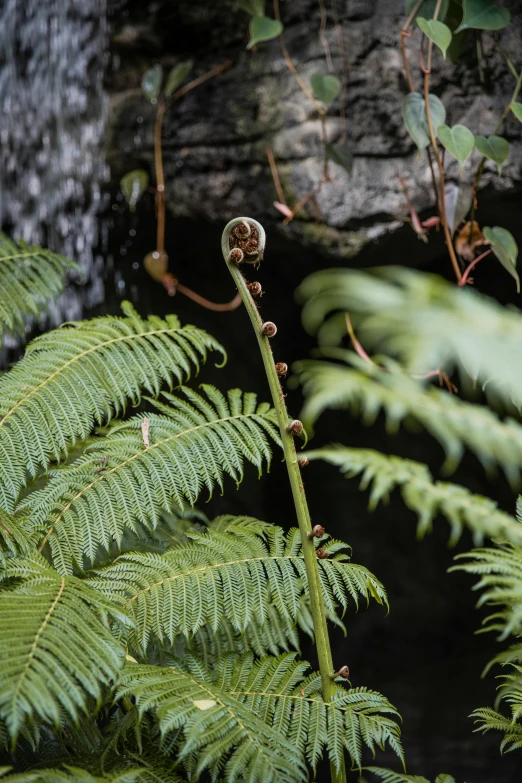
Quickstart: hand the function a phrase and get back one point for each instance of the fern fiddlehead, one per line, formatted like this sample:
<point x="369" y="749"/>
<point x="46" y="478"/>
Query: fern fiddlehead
<point x="243" y="240"/>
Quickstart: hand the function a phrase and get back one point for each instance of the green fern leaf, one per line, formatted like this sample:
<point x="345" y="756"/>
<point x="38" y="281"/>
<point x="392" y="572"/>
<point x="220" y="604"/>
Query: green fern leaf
<point x="191" y="445"/>
<point x="423" y="321"/>
<point x="455" y="424"/>
<point x="489" y="720"/>
<point x="81" y="375"/>
<point x="77" y="775"/>
<point x="422" y="495"/>
<point x="233" y="576"/>
<point x="30" y="278"/>
<point x="270" y="691"/>
<point x="389" y="776"/>
<point x="56" y="652"/>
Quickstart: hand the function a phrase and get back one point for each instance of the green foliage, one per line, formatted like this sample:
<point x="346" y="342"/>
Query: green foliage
<point x="30" y="278"/>
<point x="427" y="9"/>
<point x="177" y="76"/>
<point x="254" y="7"/>
<point x="483" y="15"/>
<point x="262" y="28"/>
<point x="388" y="776"/>
<point x="326" y="86"/>
<point x="436" y="31"/>
<point x="516" y="108"/>
<point x="427" y="498"/>
<point x="133" y="186"/>
<point x="414" y="114"/>
<point x="458" y="140"/>
<point x="83" y="375"/>
<point x="495" y="148"/>
<point x="194" y="442"/>
<point x="505" y="248"/>
<point x="423" y="321"/>
<point x="151" y="83"/>
<point x="221" y="707"/>
<point x="340" y="154"/>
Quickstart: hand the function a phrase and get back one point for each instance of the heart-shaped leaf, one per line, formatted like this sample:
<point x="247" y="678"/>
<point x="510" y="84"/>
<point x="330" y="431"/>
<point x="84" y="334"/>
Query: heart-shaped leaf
<point x="327" y="87"/>
<point x="254" y="7"/>
<point x="414" y="113"/>
<point x="457" y="140"/>
<point x="151" y="83"/>
<point x="177" y="75"/>
<point x="427" y="9"/>
<point x="262" y="28"/>
<point x="457" y="202"/>
<point x="341" y="155"/>
<point x="516" y="108"/>
<point x="495" y="148"/>
<point x="505" y="248"/>
<point x="483" y="15"/>
<point x="437" y="32"/>
<point x="133" y="185"/>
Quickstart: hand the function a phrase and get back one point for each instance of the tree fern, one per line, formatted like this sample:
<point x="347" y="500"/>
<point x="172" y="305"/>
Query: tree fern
<point x="121" y="480"/>
<point x="217" y="715"/>
<point x="30" y="277"/>
<point x="422" y="320"/>
<point x="82" y="375"/>
<point x="456" y="424"/>
<point x="427" y="498"/>
<point x="56" y="651"/>
<point x="225" y="575"/>
<point x="73" y="774"/>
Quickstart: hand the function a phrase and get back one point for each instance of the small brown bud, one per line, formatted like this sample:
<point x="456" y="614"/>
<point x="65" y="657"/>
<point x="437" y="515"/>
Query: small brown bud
<point x="303" y="462"/>
<point x="242" y="230"/>
<point x="269" y="329"/>
<point x="251" y="247"/>
<point x="281" y="369"/>
<point x="255" y="289"/>
<point x="344" y="672"/>
<point x="236" y="256"/>
<point x="316" y="532"/>
<point x="321" y="553"/>
<point x="295" y="427"/>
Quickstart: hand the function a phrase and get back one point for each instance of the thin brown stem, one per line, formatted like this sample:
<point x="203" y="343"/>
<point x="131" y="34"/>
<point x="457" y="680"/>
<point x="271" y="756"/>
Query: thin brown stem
<point x="434" y="182"/>
<point x="216" y="71"/>
<point x="464" y="278"/>
<point x="200" y="300"/>
<point x="288" y="60"/>
<point x="275" y="176"/>
<point x="160" y="179"/>
<point x="405" y="34"/>
<point x="322" y="36"/>
<point x="355" y="342"/>
<point x="344" y="73"/>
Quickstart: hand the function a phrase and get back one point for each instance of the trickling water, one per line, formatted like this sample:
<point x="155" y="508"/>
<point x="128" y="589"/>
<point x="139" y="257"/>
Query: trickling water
<point x="52" y="118"/>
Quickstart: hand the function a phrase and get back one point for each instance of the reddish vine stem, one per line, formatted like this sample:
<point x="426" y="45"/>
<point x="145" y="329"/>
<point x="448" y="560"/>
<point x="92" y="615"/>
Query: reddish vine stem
<point x="405" y="34"/>
<point x="464" y="278"/>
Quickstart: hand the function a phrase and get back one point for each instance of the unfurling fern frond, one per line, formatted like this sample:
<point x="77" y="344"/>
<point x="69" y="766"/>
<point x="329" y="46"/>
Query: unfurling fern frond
<point x="423" y="321"/>
<point x="456" y="424"/>
<point x="56" y="652"/>
<point x="191" y="445"/>
<point x="232" y="576"/>
<point x="422" y="495"/>
<point x="231" y="718"/>
<point x="30" y="277"/>
<point x="83" y="375"/>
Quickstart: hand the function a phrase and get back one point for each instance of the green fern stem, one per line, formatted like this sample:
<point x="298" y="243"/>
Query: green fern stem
<point x="322" y="641"/>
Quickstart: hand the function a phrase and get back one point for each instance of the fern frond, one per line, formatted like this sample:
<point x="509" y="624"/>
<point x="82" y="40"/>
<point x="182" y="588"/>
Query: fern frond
<point x="30" y="277"/>
<point x="454" y="423"/>
<point x="423" y="321"/>
<point x="427" y="498"/>
<point x="70" y="774"/>
<point x="82" y="375"/>
<point x="193" y="443"/>
<point x="389" y="776"/>
<point x="230" y="576"/>
<point x="56" y="652"/>
<point x="489" y="720"/>
<point x="271" y="691"/>
<point x="14" y="537"/>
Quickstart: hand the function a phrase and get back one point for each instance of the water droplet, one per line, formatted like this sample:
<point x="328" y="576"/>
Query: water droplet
<point x="135" y="265"/>
<point x="132" y="233"/>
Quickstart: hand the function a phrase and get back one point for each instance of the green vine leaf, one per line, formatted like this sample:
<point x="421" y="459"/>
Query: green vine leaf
<point x="505" y="248"/>
<point x="495" y="148"/>
<point x="458" y="140"/>
<point x="516" y="108"/>
<point x="151" y="83"/>
<point x="427" y="9"/>
<point x="326" y="87"/>
<point x="414" y="114"/>
<point x="437" y="32"/>
<point x="483" y="15"/>
<point x="133" y="185"/>
<point x="341" y="155"/>
<point x="262" y="28"/>
<point x="254" y="7"/>
<point x="177" y="75"/>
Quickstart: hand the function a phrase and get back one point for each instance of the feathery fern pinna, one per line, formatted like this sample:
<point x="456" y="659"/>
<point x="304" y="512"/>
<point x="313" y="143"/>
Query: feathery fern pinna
<point x="140" y="641"/>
